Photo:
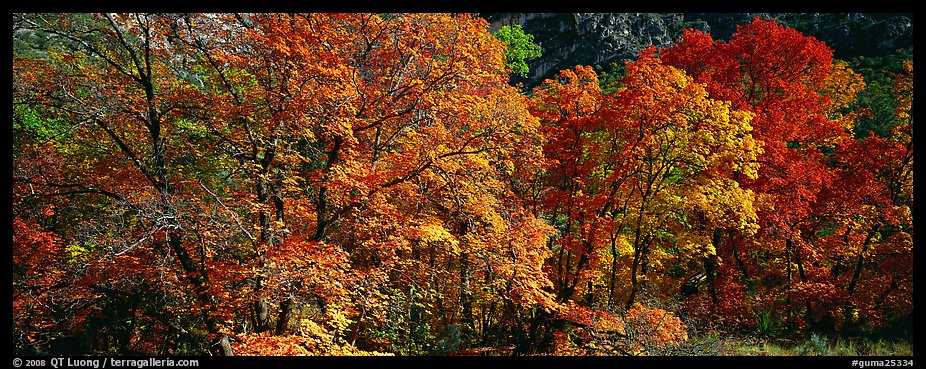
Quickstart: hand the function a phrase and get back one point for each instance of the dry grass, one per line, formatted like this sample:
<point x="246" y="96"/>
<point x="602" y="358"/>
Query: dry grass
<point x="817" y="346"/>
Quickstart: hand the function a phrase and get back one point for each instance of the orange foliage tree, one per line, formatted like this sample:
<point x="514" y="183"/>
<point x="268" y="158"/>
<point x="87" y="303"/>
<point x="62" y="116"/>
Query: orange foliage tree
<point x="295" y="174"/>
<point x="636" y="180"/>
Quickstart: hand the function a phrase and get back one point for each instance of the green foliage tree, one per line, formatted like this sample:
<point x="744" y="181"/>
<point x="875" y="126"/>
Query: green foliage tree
<point x="876" y="103"/>
<point x="521" y="48"/>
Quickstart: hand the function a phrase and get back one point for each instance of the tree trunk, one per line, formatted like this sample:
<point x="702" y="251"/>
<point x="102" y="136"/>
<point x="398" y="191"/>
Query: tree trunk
<point x="261" y="313"/>
<point x="710" y="269"/>
<point x="638" y="247"/>
<point x="633" y="278"/>
<point x="466" y="296"/>
<point x="736" y="257"/>
<point x="861" y="260"/>
<point x="644" y="260"/>
<point x="613" y="278"/>
<point x="260" y="307"/>
<point x="800" y="263"/>
<point x="788" y="261"/>
<point x="321" y="204"/>
<point x="223" y="347"/>
<point x="283" y="316"/>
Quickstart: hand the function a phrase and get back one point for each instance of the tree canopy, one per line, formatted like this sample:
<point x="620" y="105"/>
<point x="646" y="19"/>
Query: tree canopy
<point x="357" y="184"/>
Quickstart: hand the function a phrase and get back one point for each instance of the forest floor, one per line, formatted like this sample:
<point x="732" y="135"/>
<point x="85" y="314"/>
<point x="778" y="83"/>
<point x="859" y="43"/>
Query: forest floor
<point x="812" y="346"/>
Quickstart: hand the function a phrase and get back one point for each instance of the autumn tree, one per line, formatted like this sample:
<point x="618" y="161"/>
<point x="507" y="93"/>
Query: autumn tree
<point x="300" y="175"/>
<point x="866" y="223"/>
<point x="635" y="178"/>
<point x="802" y="100"/>
<point x="108" y="78"/>
<point x="415" y="192"/>
<point x="684" y="147"/>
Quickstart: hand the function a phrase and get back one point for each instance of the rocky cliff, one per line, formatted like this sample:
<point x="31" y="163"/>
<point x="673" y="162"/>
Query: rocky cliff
<point x="570" y="39"/>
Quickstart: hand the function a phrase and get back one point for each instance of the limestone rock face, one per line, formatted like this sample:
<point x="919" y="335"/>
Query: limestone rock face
<point x="570" y="39"/>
